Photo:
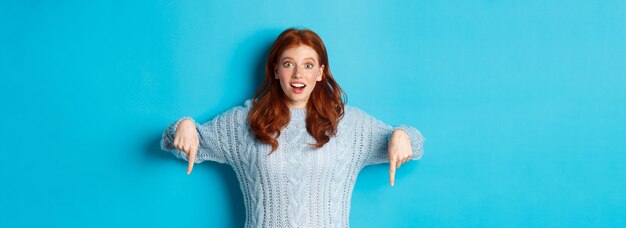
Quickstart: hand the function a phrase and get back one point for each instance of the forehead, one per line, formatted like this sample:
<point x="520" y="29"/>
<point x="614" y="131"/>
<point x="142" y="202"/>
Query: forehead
<point x="299" y="52"/>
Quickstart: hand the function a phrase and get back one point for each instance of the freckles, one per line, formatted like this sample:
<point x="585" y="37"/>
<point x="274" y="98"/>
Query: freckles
<point x="288" y="72"/>
<point x="284" y="73"/>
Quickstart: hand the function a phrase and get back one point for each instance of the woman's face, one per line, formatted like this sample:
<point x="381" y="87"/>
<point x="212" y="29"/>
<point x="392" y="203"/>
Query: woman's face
<point x="296" y="67"/>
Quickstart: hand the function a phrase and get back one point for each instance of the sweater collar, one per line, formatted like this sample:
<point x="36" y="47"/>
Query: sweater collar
<point x="298" y="113"/>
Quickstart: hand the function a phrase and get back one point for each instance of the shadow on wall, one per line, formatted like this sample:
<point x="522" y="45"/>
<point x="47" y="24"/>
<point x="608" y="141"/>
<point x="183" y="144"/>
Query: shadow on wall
<point x="254" y="49"/>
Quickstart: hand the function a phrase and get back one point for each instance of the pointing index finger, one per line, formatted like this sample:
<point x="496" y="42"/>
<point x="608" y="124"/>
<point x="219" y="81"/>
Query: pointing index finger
<point x="192" y="159"/>
<point x="392" y="171"/>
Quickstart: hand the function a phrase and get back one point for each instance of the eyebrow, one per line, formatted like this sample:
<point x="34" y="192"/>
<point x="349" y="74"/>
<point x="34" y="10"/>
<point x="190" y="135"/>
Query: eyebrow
<point x="292" y="59"/>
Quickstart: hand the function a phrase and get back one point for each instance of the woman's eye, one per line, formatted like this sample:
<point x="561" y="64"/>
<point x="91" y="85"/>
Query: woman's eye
<point x="287" y="64"/>
<point x="308" y="65"/>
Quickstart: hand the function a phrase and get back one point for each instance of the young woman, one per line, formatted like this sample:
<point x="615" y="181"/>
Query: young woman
<point x="296" y="148"/>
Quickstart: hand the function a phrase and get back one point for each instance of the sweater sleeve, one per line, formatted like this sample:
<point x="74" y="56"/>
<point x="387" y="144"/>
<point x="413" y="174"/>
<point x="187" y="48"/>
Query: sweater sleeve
<point x="214" y="137"/>
<point x="379" y="134"/>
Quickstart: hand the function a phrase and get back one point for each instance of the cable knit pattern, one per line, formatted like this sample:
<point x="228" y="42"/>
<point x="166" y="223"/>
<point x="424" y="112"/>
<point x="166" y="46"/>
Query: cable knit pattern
<point x="296" y="186"/>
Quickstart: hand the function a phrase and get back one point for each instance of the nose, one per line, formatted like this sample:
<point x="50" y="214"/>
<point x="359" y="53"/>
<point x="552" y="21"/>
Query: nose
<point x="296" y="73"/>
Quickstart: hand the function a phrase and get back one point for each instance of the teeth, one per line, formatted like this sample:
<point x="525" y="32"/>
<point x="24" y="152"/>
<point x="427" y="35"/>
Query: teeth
<point x="298" y="85"/>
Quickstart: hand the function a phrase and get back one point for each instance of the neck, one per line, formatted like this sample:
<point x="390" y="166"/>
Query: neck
<point x="297" y="104"/>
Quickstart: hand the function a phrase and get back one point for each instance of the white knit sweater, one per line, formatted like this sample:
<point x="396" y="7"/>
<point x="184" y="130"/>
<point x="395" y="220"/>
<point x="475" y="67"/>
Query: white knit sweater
<point x="296" y="186"/>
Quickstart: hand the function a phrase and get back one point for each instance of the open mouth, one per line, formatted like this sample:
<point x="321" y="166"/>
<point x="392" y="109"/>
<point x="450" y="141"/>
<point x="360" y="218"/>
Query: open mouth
<point x="297" y="85"/>
<point x="297" y="88"/>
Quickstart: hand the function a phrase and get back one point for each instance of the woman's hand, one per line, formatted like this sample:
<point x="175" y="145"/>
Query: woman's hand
<point x="186" y="139"/>
<point x="400" y="151"/>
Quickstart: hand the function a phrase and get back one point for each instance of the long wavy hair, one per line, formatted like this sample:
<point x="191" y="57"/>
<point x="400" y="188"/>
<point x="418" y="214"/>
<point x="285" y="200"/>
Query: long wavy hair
<point x="325" y="107"/>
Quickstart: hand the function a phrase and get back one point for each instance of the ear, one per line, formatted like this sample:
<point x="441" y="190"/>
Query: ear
<point x="319" y="77"/>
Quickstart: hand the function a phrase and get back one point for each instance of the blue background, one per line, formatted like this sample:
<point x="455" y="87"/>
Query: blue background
<point x="522" y="104"/>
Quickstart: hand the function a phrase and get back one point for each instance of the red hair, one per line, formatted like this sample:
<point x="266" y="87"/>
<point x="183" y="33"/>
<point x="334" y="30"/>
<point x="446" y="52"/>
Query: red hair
<point x="325" y="107"/>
